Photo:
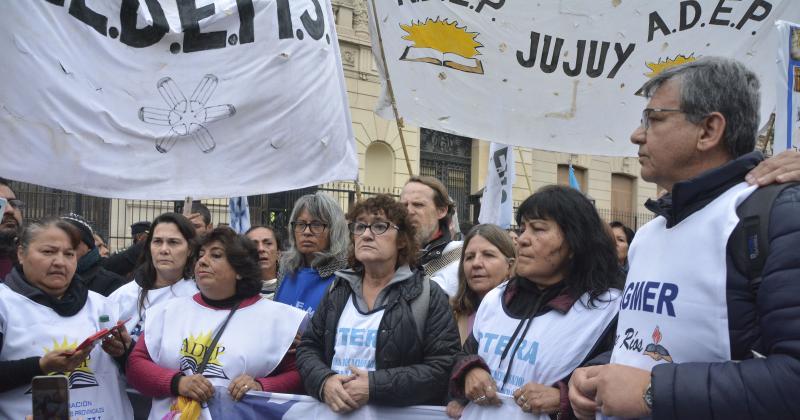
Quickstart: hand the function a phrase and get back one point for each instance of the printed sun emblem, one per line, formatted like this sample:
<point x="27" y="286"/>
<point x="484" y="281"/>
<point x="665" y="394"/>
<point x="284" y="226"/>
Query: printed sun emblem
<point x="447" y="40"/>
<point x="194" y="349"/>
<point x="187" y="118"/>
<point x="82" y="376"/>
<point x="656" y="68"/>
<point x="661" y="65"/>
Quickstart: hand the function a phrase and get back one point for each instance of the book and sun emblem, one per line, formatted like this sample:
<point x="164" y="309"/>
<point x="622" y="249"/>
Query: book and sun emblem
<point x="443" y="43"/>
<point x="192" y="351"/>
<point x="82" y="376"/>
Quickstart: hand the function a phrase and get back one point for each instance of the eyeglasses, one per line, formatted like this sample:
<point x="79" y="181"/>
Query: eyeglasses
<point x="377" y="228"/>
<point x="315" y="227"/>
<point x="645" y="121"/>
<point x="16" y="203"/>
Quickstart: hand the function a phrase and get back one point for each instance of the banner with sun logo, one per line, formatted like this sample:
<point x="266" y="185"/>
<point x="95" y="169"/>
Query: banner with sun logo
<point x="168" y="99"/>
<point x="558" y="76"/>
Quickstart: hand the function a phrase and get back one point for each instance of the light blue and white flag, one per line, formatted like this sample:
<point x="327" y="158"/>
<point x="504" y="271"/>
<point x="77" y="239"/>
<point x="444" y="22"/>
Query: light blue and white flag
<point x="497" y="203"/>
<point x="240" y="214"/>
<point x="573" y="180"/>
<point x="264" y="405"/>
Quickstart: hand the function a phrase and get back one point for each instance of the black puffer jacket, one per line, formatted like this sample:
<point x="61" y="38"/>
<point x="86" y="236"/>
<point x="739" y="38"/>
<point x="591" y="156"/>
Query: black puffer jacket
<point x="407" y="371"/>
<point x="768" y="323"/>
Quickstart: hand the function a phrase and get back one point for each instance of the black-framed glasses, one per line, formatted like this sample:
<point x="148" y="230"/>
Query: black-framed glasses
<point x="377" y="228"/>
<point x="645" y="121"/>
<point x="315" y="227"/>
<point x="16" y="203"/>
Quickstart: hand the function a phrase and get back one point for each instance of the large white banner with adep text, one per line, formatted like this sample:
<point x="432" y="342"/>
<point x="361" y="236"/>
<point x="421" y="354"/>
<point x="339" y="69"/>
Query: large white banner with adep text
<point x="172" y="98"/>
<point x="559" y="75"/>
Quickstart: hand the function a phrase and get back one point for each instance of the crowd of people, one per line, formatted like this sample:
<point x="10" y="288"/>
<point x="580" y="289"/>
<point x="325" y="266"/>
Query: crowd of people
<point x="567" y="316"/>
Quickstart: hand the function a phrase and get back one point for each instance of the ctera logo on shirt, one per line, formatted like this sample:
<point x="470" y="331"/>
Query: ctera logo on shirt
<point x="82" y="376"/>
<point x="193" y="350"/>
<point x="656" y="351"/>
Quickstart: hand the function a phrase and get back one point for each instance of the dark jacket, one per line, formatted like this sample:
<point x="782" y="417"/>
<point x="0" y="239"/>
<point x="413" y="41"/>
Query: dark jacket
<point x="769" y="323"/>
<point x="102" y="281"/>
<point x="407" y="371"/>
<point x="124" y="262"/>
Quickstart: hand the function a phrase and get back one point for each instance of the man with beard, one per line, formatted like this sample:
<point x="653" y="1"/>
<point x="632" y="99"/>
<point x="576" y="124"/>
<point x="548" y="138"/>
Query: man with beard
<point x="10" y="227"/>
<point x="430" y="210"/>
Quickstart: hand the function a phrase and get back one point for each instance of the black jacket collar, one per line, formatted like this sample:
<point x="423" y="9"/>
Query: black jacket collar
<point x="434" y="248"/>
<point x="693" y="194"/>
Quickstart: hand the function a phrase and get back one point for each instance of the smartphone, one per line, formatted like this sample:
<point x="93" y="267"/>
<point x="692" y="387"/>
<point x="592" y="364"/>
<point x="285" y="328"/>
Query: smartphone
<point x="3" y="204"/>
<point x="50" y="397"/>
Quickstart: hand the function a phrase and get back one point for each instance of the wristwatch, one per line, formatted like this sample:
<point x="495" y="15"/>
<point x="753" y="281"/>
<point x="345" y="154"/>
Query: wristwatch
<point x="648" y="396"/>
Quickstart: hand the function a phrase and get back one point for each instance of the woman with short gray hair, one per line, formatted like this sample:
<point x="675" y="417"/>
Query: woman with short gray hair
<point x="318" y="244"/>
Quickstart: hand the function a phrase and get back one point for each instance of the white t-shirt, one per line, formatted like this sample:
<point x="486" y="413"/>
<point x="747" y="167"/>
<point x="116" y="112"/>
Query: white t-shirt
<point x="447" y="277"/>
<point x="356" y="338"/>
<point x="30" y="329"/>
<point x="127" y="299"/>
<point x="253" y="343"/>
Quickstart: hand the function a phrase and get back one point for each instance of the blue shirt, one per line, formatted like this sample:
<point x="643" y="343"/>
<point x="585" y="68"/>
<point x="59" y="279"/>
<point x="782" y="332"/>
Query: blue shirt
<point x="304" y="289"/>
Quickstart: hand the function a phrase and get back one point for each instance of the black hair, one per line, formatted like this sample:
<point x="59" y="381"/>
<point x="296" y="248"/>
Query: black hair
<point x="146" y="273"/>
<point x="275" y="233"/>
<point x="628" y="231"/>
<point x="242" y="255"/>
<point x="593" y="267"/>
<point x="198" y="207"/>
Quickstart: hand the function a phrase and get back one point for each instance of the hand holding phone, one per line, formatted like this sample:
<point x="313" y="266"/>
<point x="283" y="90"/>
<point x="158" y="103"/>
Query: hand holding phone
<point x="3" y="204"/>
<point x="118" y="341"/>
<point x="100" y="335"/>
<point x="50" y="397"/>
<point x="61" y="361"/>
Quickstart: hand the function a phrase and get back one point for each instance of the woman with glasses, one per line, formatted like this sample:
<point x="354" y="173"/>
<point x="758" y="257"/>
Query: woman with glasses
<point x="557" y="311"/>
<point x="318" y="244"/>
<point x="384" y="334"/>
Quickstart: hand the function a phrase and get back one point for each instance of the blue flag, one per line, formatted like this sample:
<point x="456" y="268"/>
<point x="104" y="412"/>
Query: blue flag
<point x="573" y="181"/>
<point x="240" y="214"/>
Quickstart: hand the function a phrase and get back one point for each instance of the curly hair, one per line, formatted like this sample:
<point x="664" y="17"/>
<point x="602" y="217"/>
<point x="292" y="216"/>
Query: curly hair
<point x="593" y="268"/>
<point x="407" y="246"/>
<point x="242" y="255"/>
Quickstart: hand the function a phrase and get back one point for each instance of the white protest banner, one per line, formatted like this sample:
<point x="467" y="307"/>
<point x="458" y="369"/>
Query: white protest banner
<point x="264" y="405"/>
<point x="559" y="75"/>
<point x="173" y="98"/>
<point x="496" y="204"/>
<point x="787" y="114"/>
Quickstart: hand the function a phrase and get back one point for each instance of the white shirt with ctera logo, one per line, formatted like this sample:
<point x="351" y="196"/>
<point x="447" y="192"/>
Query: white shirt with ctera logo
<point x="356" y="339"/>
<point x="555" y="344"/>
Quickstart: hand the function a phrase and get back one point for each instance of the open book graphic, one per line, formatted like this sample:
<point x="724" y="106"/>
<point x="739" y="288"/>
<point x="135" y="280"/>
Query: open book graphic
<point x="431" y="56"/>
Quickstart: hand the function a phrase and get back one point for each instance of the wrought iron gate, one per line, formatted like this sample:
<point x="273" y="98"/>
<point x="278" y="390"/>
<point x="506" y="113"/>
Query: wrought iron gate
<point x="448" y="158"/>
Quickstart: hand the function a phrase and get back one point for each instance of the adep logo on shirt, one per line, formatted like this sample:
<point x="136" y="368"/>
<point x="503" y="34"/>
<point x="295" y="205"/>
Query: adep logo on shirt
<point x="82" y="376"/>
<point x="193" y="349"/>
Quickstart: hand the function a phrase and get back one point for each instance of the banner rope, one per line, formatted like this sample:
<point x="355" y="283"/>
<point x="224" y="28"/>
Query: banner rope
<point x="389" y="88"/>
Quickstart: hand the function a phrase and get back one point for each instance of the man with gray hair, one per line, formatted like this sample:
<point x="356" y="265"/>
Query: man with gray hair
<point x="701" y="335"/>
<point x="430" y="211"/>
